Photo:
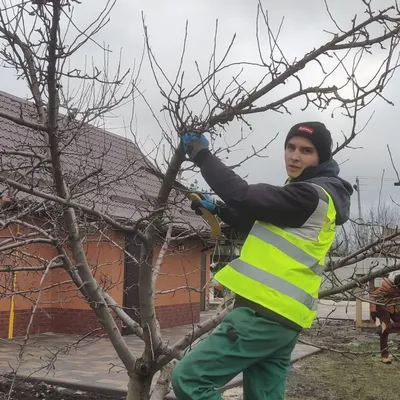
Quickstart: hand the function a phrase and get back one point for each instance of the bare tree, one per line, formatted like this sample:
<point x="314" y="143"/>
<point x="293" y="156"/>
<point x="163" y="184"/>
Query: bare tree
<point x="51" y="182"/>
<point x="372" y="244"/>
<point x="376" y="223"/>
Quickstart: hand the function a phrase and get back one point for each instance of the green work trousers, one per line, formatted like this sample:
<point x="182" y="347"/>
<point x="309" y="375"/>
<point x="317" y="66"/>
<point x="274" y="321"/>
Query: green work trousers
<point x="244" y="342"/>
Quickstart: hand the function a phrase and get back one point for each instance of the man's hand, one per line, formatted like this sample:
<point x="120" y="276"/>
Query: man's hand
<point x="207" y="202"/>
<point x="193" y="143"/>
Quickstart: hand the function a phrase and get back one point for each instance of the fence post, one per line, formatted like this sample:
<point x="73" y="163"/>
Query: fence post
<point x="359" y="323"/>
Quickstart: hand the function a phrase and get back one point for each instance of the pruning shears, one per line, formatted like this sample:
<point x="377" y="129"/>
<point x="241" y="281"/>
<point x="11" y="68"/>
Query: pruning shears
<point x="211" y="219"/>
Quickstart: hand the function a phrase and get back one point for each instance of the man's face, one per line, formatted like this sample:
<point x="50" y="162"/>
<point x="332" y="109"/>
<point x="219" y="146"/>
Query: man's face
<point x="300" y="153"/>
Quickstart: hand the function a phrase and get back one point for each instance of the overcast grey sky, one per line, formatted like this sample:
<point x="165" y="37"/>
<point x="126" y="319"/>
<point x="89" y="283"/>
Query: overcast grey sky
<point x="302" y="31"/>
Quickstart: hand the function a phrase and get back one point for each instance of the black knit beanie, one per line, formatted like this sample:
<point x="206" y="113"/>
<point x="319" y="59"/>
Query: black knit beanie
<point x="319" y="136"/>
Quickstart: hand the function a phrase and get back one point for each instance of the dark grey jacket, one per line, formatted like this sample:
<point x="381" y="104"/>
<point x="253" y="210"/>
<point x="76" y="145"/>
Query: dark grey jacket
<point x="288" y="206"/>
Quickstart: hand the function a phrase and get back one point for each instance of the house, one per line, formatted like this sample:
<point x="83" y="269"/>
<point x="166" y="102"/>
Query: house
<point x="110" y="174"/>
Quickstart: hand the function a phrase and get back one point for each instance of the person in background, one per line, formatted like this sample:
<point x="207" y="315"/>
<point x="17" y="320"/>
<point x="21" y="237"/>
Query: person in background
<point x="387" y="309"/>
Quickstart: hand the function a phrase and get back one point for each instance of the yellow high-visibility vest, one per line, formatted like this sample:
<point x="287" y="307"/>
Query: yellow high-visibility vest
<point x="281" y="268"/>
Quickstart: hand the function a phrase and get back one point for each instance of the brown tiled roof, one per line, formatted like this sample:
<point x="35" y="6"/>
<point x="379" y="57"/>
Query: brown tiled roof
<point x="87" y="149"/>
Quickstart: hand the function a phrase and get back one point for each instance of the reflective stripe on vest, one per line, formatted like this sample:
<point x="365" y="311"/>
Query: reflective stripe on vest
<point x="286" y="247"/>
<point x="281" y="268"/>
<point x="277" y="283"/>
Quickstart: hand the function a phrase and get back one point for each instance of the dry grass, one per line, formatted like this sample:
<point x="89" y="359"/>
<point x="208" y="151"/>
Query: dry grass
<point x="332" y="376"/>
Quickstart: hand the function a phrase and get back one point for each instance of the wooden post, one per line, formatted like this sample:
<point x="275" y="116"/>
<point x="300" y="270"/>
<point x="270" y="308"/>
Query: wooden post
<point x="359" y="324"/>
<point x="371" y="288"/>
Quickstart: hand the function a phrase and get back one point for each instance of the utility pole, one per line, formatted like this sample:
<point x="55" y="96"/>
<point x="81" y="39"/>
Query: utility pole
<point x="371" y="283"/>
<point x="358" y="190"/>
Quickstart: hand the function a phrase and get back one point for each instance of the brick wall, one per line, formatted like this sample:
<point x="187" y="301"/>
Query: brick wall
<point x="3" y="324"/>
<point x="78" y="322"/>
<point x="41" y="322"/>
<point x="81" y="322"/>
<point x="75" y="321"/>
<point x="178" y="314"/>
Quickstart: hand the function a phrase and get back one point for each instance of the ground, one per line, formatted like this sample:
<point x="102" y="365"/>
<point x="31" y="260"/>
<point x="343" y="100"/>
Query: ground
<point x="353" y="372"/>
<point x="356" y="373"/>
<point x="341" y="375"/>
<point x="27" y="391"/>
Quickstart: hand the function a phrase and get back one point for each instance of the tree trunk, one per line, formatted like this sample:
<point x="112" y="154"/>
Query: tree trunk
<point x="162" y="387"/>
<point x="139" y="387"/>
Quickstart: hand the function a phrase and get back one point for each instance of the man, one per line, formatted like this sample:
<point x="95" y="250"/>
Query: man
<point x="278" y="274"/>
<point x="387" y="309"/>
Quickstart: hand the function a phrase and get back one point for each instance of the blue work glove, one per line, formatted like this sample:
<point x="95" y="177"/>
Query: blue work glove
<point x="209" y="203"/>
<point x="193" y="144"/>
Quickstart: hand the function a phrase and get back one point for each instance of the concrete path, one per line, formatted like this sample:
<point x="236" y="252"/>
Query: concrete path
<point x="345" y="310"/>
<point x="89" y="364"/>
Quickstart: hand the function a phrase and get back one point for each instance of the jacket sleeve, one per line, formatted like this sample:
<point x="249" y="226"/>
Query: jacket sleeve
<point x="238" y="221"/>
<point x="290" y="205"/>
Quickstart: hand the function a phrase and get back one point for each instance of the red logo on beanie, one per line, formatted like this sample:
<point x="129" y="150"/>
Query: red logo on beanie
<point x="305" y="129"/>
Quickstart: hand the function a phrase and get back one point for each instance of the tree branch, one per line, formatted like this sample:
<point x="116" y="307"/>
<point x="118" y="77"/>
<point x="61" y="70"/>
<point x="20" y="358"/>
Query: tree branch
<point x="177" y="349"/>
<point x="11" y="268"/>
<point x="368" y="250"/>
<point x="357" y="282"/>
<point x="23" y="122"/>
<point x="68" y="203"/>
